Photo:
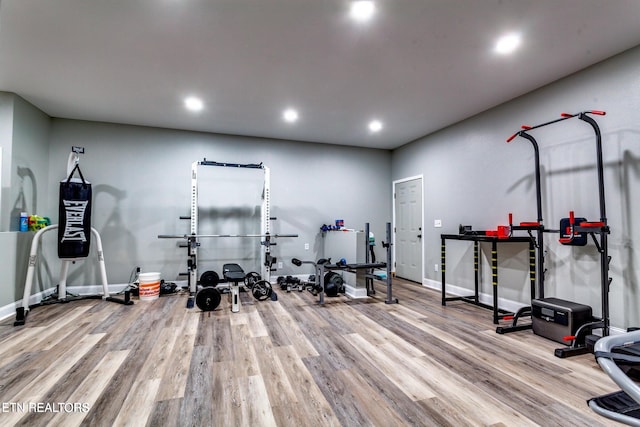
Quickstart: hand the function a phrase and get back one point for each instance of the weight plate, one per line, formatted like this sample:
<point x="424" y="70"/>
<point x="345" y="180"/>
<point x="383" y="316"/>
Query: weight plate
<point x="251" y="278"/>
<point x="332" y="284"/>
<point x="209" y="279"/>
<point x="262" y="290"/>
<point x="208" y="299"/>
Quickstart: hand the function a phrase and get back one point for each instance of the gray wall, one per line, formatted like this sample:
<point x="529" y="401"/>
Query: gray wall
<point x="6" y="137"/>
<point x="24" y="136"/>
<point x="30" y="161"/>
<point x="24" y="132"/>
<point x="141" y="185"/>
<point x="473" y="177"/>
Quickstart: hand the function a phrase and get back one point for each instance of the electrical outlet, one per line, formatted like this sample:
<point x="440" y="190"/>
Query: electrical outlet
<point x="435" y="268"/>
<point x="306" y="246"/>
<point x="437" y="223"/>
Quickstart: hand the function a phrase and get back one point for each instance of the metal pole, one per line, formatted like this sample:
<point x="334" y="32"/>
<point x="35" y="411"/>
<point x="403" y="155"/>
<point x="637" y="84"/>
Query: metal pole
<point x="193" y="244"/>
<point x="265" y="227"/>
<point x="390" y="299"/>
<point x="321" y="278"/>
<point x="604" y="251"/>
<point x="540" y="234"/>
<point x="368" y="280"/>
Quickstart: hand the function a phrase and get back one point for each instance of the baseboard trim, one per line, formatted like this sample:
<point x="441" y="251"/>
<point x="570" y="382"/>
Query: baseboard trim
<point x="484" y="298"/>
<point x="488" y="299"/>
<point x="9" y="310"/>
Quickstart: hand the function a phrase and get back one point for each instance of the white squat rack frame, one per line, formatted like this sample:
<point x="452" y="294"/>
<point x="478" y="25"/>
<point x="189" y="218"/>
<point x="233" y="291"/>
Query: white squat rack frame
<point x="193" y="238"/>
<point x="265" y="217"/>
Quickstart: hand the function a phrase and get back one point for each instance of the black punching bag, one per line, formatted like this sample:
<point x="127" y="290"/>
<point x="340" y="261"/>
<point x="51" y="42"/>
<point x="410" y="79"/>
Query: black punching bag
<point x="74" y="217"/>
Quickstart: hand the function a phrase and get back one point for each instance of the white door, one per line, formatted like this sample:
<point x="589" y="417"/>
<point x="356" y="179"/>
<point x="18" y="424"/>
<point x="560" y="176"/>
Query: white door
<point x="408" y="229"/>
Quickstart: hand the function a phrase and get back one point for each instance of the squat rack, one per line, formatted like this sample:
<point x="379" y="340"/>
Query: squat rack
<point x="265" y="227"/>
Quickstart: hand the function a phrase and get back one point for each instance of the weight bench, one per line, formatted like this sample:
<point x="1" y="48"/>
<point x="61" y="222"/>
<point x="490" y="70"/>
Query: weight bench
<point x="234" y="274"/>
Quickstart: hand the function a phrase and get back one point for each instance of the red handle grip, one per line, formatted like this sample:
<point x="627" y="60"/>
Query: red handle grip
<point x="567" y="115"/>
<point x="510" y="218"/>
<point x="572" y="219"/>
<point x="511" y="137"/>
<point x="530" y="224"/>
<point x="594" y="224"/>
<point x="597" y="112"/>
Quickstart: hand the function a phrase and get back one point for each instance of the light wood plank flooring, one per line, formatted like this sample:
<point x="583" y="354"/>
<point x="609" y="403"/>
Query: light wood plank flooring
<point x="288" y="363"/>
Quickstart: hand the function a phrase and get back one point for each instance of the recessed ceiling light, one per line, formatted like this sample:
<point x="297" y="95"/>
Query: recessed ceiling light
<point x="375" y="126"/>
<point x="362" y="10"/>
<point x="290" y="115"/>
<point x="507" y="44"/>
<point x="193" y="104"/>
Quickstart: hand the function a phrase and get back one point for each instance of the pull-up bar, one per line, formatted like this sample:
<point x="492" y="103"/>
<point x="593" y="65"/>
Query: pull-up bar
<point x="564" y="116"/>
<point x="584" y="116"/>
<point x="206" y="162"/>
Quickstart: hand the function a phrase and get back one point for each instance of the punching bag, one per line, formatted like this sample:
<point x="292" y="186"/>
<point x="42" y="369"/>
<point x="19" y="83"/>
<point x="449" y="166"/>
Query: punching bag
<point x="74" y="229"/>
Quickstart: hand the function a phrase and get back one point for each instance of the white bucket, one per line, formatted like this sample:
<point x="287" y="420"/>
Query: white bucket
<point x="149" y="286"/>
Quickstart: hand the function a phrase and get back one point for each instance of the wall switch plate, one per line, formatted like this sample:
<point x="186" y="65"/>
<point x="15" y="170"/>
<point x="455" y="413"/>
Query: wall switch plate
<point x="437" y="223"/>
<point x="306" y="246"/>
<point x="435" y="268"/>
<point x="279" y="264"/>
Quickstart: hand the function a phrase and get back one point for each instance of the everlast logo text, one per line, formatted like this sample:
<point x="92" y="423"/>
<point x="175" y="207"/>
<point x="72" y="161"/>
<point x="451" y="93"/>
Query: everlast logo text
<point x="74" y="228"/>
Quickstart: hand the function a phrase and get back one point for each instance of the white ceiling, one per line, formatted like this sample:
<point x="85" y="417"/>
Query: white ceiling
<point x="417" y="66"/>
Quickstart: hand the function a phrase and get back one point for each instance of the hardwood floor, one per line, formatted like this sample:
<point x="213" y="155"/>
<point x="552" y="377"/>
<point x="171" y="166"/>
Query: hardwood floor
<point x="288" y="363"/>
